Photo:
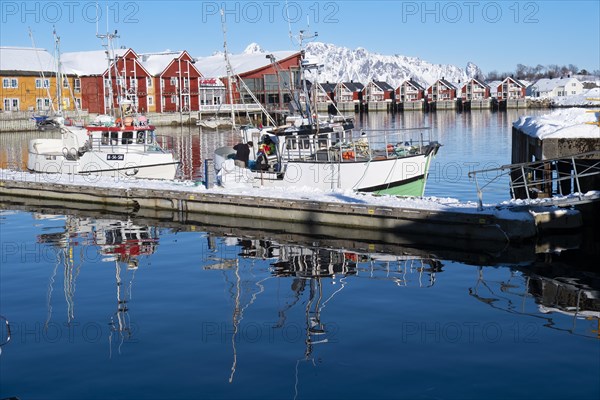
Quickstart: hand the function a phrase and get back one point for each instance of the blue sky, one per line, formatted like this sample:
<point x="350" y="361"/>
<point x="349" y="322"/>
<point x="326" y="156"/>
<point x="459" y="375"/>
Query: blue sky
<point x="496" y="35"/>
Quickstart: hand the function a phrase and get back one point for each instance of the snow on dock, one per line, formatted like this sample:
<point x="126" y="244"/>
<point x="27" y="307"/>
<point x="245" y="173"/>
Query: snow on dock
<point x="180" y="200"/>
<point x="571" y="123"/>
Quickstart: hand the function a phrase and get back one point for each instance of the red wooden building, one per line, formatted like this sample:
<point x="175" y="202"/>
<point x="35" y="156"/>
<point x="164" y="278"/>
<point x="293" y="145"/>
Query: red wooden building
<point x="378" y="91"/>
<point x="103" y="85"/>
<point x="441" y="90"/>
<point x="474" y="89"/>
<point x="510" y="88"/>
<point x="176" y="81"/>
<point x="410" y="90"/>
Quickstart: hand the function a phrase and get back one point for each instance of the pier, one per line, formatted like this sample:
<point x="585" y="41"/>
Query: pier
<point x="381" y="215"/>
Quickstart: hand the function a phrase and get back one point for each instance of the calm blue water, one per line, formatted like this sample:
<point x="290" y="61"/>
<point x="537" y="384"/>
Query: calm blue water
<point x="102" y="306"/>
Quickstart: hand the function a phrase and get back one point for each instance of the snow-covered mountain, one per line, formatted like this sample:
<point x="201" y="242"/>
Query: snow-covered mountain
<point x="341" y="64"/>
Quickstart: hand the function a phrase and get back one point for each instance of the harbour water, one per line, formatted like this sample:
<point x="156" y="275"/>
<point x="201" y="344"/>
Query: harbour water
<point x="104" y="306"/>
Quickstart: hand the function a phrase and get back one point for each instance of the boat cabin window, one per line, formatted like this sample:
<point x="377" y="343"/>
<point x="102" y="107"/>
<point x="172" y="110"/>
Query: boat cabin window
<point x="104" y="140"/>
<point x="127" y="138"/>
<point x="141" y="137"/>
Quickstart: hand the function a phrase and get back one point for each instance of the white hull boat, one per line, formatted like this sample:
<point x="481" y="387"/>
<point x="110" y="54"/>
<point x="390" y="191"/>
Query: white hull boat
<point x="109" y="149"/>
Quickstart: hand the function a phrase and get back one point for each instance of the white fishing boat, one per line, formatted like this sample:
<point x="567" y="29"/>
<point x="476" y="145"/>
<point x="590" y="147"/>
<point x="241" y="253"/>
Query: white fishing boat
<point x="109" y="148"/>
<point x="382" y="162"/>
<point x="325" y="153"/>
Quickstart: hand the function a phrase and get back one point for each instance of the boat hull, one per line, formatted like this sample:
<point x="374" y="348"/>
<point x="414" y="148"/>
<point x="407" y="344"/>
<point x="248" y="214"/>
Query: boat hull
<point x="404" y="176"/>
<point x="126" y="165"/>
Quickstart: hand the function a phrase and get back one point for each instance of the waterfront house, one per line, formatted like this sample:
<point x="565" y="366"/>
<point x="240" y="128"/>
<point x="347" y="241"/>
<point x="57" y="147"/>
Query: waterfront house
<point x="325" y="92"/>
<point x="474" y="89"/>
<point x="441" y="90"/>
<point x="174" y="85"/>
<point x="349" y="92"/>
<point x="410" y="90"/>
<point x="272" y="77"/>
<point x="29" y="81"/>
<point x="378" y="91"/>
<point x="509" y="89"/>
<point x="105" y="81"/>
<point x="557" y="87"/>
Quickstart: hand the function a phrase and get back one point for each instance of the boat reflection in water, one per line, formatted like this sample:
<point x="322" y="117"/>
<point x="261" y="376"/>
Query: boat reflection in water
<point x="317" y="275"/>
<point x="118" y="241"/>
<point x="323" y="287"/>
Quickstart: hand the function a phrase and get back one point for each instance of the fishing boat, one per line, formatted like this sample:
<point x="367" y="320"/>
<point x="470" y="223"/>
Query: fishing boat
<point x="121" y="144"/>
<point x="108" y="147"/>
<point x="325" y="152"/>
<point x="381" y="162"/>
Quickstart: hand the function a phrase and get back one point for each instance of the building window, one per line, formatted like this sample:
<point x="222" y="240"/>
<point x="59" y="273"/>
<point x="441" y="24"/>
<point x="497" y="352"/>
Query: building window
<point x="11" y="104"/>
<point x="78" y="103"/>
<point x="174" y="99"/>
<point x="149" y="82"/>
<point x="10" y="83"/>
<point x="132" y="83"/>
<point x="65" y="82"/>
<point x="77" y="85"/>
<point x="106" y="83"/>
<point x="42" y="104"/>
<point x="42" y="83"/>
<point x="162" y="84"/>
<point x="150" y="100"/>
<point x="174" y="81"/>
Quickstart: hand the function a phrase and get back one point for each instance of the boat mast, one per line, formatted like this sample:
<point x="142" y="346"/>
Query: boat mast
<point x="228" y="66"/>
<point x="303" y="65"/>
<point x="109" y="58"/>
<point x="59" y="76"/>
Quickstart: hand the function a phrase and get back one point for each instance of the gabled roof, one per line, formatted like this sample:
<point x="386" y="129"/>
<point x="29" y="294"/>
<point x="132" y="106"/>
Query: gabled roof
<point x="481" y="83"/>
<point x="157" y="63"/>
<point x="446" y="83"/>
<point x="353" y="86"/>
<point x="547" y="85"/>
<point x="383" y="86"/>
<point x="328" y="87"/>
<point x="29" y="59"/>
<point x="89" y="62"/>
<point x="413" y="83"/>
<point x="514" y="80"/>
<point x="215" y="66"/>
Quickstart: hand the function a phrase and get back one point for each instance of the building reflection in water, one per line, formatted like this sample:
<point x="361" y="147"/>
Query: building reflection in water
<point x="124" y="243"/>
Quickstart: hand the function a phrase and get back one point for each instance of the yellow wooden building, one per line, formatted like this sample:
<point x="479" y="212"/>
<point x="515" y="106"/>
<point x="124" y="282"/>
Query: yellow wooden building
<point x="29" y="82"/>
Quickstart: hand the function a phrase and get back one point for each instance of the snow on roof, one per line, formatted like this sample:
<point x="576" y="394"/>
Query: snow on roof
<point x="26" y="59"/>
<point x="547" y="85"/>
<point x="156" y="63"/>
<point x="568" y="123"/>
<point x="590" y="97"/>
<point x="88" y="62"/>
<point x="214" y="66"/>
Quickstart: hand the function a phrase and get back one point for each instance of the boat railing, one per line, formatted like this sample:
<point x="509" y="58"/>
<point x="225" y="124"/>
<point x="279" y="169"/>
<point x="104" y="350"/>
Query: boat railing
<point x="149" y="144"/>
<point x="349" y="146"/>
<point x="540" y="179"/>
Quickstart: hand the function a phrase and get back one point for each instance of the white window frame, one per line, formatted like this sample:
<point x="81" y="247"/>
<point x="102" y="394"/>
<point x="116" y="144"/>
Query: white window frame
<point x="150" y="100"/>
<point x="42" y="83"/>
<point x="77" y="85"/>
<point x="10" y="83"/>
<point x="149" y="82"/>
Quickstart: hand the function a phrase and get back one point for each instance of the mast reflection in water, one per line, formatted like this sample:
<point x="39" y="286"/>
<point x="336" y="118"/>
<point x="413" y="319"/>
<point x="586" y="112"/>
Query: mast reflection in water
<point x="230" y="310"/>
